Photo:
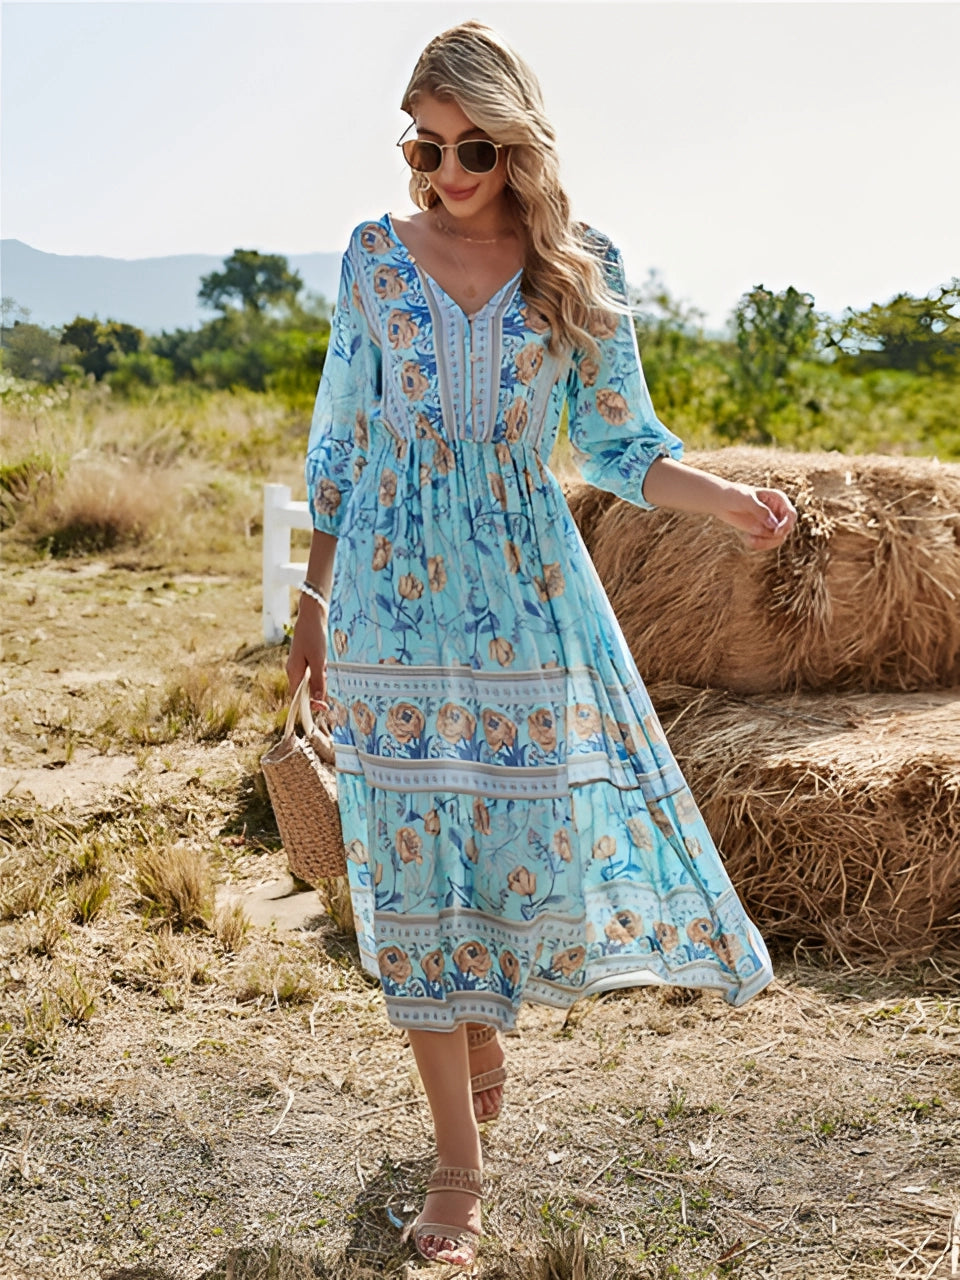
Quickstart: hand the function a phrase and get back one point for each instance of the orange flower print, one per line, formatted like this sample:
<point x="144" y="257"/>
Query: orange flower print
<point x="378" y="873"/>
<point x="388" y="487"/>
<point x="584" y="718"/>
<point x="471" y="849"/>
<point x="567" y="962"/>
<point x="363" y="718"/>
<point x="455" y="722"/>
<point x="481" y="817"/>
<point x="337" y="712"/>
<point x="553" y="583"/>
<point x="498" y="729"/>
<point x="685" y="806"/>
<point x="727" y="949"/>
<point x="660" y="818"/>
<point x="437" y="572"/>
<point x="693" y="846"/>
<point x="588" y="371"/>
<point x="502" y="650"/>
<point x="561" y="844"/>
<point x="387" y="283"/>
<point x="361" y="432"/>
<point x="395" y="964"/>
<point x="700" y="932"/>
<point x="510" y="967"/>
<point x="410" y="586"/>
<point x="425" y="474"/>
<point x="401" y="329"/>
<point x="528" y="479"/>
<point x="443" y="459"/>
<point x="666" y="935"/>
<point x="431" y="822"/>
<point x="413" y="380"/>
<point x="542" y="728"/>
<point x="358" y="464"/>
<point x="502" y="450"/>
<point x="605" y="847"/>
<point x="612" y="406"/>
<point x="340" y="641"/>
<point x="405" y="722"/>
<point x="423" y="428"/>
<point x="511" y="553"/>
<point x="382" y="550"/>
<point x="374" y="239"/>
<point x="432" y="965"/>
<point x="356" y="851"/>
<point x="640" y="833"/>
<point x="541" y="471"/>
<point x="326" y="496"/>
<point x="623" y="926"/>
<point x="522" y="881"/>
<point x="528" y="361"/>
<point x="628" y="740"/>
<point x="652" y="726"/>
<point x="473" y="958"/>
<point x="498" y="488"/>
<point x="516" y="419"/>
<point x="533" y="319"/>
<point x="602" y="324"/>
<point x="408" y="844"/>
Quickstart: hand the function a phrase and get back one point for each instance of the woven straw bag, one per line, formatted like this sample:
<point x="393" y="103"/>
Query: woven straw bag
<point x="302" y="783"/>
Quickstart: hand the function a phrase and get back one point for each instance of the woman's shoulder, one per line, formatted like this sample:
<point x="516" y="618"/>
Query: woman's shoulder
<point x="371" y="236"/>
<point x="596" y="240"/>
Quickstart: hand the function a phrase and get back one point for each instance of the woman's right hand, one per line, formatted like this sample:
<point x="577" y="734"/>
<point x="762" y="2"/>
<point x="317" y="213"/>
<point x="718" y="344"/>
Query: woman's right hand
<point x="309" y="649"/>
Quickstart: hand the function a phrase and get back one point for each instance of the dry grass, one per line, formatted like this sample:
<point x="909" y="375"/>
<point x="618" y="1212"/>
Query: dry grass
<point x="838" y="818"/>
<point x="862" y="595"/>
<point x="175" y="886"/>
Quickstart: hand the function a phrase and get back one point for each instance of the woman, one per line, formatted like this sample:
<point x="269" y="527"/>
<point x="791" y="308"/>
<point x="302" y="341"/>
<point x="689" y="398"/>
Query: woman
<point x="517" y="827"/>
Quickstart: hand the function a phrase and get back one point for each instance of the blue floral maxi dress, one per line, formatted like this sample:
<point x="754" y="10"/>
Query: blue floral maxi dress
<point x="516" y="824"/>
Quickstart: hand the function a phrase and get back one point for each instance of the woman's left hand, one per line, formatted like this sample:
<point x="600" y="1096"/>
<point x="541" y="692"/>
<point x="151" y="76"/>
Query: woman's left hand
<point x="762" y="517"/>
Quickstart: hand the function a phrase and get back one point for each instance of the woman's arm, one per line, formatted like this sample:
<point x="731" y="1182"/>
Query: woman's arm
<point x="309" y="645"/>
<point x="763" y="517"/>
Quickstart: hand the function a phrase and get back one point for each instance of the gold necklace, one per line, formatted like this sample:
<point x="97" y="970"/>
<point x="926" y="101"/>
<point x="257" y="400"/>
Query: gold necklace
<point x="457" y="235"/>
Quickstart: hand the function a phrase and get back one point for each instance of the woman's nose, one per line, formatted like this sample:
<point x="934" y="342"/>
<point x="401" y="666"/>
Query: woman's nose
<point x="451" y="170"/>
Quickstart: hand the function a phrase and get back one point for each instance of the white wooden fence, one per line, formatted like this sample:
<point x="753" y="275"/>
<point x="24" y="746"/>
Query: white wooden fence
<point x="280" y="515"/>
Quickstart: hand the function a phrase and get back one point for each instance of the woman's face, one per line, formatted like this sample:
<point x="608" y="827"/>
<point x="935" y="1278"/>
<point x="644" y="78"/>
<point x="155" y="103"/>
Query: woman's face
<point x="463" y="194"/>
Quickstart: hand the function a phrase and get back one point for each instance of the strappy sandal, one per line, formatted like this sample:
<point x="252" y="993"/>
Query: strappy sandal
<point x="447" y="1177"/>
<point x="485" y="1079"/>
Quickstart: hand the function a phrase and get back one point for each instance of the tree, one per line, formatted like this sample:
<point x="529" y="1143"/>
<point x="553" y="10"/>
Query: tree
<point x="921" y="335"/>
<point x="33" y="352"/>
<point x="774" y="332"/>
<point x="102" y="342"/>
<point x="255" y="280"/>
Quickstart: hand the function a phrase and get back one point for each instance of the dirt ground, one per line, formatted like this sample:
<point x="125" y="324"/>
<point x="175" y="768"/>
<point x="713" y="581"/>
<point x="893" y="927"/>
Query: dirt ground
<point x="187" y="1102"/>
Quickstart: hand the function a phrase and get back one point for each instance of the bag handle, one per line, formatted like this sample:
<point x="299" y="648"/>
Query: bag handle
<point x="300" y="704"/>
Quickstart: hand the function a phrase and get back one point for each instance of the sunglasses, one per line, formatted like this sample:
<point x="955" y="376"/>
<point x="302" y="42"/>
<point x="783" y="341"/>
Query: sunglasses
<point x="475" y="155"/>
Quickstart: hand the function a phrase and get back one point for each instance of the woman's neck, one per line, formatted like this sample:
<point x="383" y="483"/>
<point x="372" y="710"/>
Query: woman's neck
<point x="495" y="222"/>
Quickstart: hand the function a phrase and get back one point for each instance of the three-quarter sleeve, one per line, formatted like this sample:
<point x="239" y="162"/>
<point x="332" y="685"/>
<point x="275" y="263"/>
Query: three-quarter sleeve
<point x="349" y="391"/>
<point x="613" y="429"/>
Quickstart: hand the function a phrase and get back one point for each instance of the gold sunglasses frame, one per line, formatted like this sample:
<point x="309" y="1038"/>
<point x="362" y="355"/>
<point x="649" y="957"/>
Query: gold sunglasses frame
<point x="446" y="146"/>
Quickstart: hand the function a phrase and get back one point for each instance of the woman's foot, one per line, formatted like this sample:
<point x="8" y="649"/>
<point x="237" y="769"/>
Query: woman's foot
<point x="453" y="1200"/>
<point x="486" y="1054"/>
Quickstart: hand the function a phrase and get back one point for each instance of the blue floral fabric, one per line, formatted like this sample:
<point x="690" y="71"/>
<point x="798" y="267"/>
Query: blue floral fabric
<point x="517" y="827"/>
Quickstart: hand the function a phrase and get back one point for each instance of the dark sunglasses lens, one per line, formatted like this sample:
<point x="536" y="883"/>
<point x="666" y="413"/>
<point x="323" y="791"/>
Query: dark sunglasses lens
<point x="425" y="157"/>
<point x="477" y="156"/>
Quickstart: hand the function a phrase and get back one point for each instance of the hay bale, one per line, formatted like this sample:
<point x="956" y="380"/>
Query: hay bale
<point x="865" y="593"/>
<point x="838" y="818"/>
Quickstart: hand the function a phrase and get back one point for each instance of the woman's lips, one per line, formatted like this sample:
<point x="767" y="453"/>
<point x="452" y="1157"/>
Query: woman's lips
<point x="463" y="194"/>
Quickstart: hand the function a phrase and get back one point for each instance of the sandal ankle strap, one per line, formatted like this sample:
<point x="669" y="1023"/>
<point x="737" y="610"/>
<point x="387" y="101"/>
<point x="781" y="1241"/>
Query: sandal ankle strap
<point x="447" y="1177"/>
<point x="476" y="1036"/>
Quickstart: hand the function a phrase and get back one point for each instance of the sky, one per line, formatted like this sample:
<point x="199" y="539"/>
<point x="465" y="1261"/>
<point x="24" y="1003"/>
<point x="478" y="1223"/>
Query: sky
<point x="723" y="145"/>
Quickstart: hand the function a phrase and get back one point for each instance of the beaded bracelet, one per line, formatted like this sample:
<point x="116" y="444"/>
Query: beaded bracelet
<point x="308" y="589"/>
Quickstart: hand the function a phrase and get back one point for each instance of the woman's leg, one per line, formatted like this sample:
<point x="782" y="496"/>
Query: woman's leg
<point x="484" y="1058"/>
<point x="444" y="1067"/>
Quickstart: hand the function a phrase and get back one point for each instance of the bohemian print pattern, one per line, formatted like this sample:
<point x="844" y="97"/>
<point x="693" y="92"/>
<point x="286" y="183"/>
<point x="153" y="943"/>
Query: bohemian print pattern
<point x="516" y="824"/>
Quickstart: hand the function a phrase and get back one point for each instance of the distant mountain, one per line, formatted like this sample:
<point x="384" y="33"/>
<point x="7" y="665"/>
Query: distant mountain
<point x="152" y="293"/>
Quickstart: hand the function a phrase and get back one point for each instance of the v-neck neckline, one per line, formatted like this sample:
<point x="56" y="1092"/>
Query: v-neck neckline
<point x="427" y="277"/>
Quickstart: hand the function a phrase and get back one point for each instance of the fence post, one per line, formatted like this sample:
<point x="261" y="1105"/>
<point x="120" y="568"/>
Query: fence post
<point x="276" y="552"/>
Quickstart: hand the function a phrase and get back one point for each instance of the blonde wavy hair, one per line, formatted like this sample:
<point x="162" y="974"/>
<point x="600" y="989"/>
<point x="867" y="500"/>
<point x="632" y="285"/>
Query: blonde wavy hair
<point x="563" y="278"/>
